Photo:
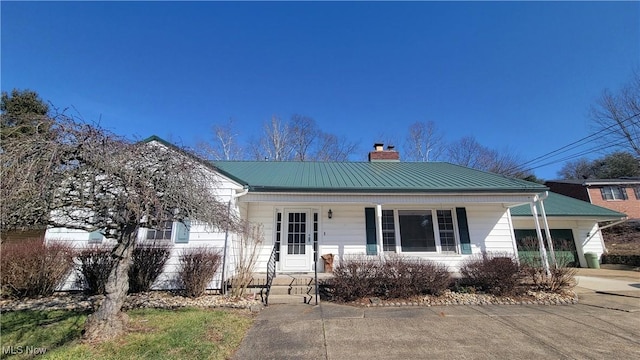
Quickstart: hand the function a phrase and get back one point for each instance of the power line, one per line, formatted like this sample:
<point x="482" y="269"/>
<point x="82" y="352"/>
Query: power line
<point x="577" y="155"/>
<point x="580" y="140"/>
<point x="574" y="145"/>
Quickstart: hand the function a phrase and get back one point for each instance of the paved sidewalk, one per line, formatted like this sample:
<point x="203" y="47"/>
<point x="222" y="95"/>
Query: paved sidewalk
<point x="330" y="331"/>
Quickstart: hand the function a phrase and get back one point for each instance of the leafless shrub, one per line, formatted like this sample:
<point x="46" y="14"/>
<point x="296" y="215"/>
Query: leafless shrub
<point x="197" y="267"/>
<point x="32" y="268"/>
<point x="397" y="277"/>
<point x="249" y="244"/>
<point x="147" y="264"/>
<point x="94" y="268"/>
<point x="354" y="278"/>
<point x="494" y="273"/>
<point x="560" y="280"/>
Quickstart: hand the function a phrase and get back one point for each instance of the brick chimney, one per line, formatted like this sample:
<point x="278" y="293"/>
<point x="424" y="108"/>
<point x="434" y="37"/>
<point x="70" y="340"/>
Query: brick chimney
<point x="380" y="154"/>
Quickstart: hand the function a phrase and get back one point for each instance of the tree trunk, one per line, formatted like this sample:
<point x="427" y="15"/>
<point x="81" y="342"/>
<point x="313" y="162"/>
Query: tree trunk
<point x="109" y="321"/>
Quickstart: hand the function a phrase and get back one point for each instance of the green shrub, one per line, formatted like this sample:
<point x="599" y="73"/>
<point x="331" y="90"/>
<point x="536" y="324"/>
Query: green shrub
<point x="493" y="273"/>
<point x="197" y="267"/>
<point x="95" y="266"/>
<point x="32" y="268"/>
<point x="147" y="264"/>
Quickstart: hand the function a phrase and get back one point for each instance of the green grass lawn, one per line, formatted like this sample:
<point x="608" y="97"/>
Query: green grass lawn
<point x="152" y="334"/>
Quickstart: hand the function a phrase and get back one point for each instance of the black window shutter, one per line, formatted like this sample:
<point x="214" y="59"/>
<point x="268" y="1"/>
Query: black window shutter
<point x="370" y="226"/>
<point x="463" y="228"/>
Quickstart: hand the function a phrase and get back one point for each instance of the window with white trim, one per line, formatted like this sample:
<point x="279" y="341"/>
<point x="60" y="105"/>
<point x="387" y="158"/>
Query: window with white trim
<point x="444" y="231"/>
<point x="416" y="231"/>
<point x="447" y="231"/>
<point x="162" y="234"/>
<point x="613" y="193"/>
<point x="636" y="190"/>
<point x="388" y="231"/>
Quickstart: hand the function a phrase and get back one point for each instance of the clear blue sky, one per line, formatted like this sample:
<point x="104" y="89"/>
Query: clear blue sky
<point x="517" y="76"/>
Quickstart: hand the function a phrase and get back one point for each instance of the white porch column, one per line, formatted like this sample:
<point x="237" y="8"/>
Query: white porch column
<point x="545" y="222"/>
<point x="379" y="231"/>
<point x="543" y="251"/>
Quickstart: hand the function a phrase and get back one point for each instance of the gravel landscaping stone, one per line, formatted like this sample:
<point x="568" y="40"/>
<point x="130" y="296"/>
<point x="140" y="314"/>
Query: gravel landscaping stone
<point x="154" y="299"/>
<point x="168" y="300"/>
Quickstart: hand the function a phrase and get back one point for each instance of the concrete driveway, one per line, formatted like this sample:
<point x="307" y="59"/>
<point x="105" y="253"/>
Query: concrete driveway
<point x="597" y="330"/>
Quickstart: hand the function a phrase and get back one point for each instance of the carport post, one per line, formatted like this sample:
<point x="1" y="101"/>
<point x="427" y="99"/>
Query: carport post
<point x="543" y="251"/>
<point x="379" y="231"/>
<point x="545" y="222"/>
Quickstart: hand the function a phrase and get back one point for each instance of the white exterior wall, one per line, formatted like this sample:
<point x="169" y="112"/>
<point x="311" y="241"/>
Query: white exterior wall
<point x="199" y="235"/>
<point x="586" y="233"/>
<point x="345" y="234"/>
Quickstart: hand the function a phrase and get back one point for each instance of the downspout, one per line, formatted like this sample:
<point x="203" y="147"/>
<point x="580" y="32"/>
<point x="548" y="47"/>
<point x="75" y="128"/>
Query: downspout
<point x="226" y="235"/>
<point x="224" y="251"/>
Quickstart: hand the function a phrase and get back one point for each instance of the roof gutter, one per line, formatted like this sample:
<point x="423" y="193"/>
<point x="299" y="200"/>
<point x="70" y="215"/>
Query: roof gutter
<point x="242" y="193"/>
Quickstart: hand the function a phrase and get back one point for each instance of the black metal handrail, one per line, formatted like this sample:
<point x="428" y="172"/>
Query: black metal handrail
<point x="315" y="270"/>
<point x="271" y="274"/>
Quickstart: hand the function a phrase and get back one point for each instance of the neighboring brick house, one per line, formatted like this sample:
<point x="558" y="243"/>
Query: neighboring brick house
<point x="622" y="195"/>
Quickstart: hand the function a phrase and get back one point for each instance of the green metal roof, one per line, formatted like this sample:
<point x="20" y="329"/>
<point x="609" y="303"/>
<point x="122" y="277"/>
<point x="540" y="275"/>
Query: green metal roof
<point x="380" y="177"/>
<point x="560" y="205"/>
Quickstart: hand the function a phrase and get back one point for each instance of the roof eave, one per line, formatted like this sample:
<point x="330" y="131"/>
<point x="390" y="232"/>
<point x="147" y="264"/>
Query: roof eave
<point x="278" y="189"/>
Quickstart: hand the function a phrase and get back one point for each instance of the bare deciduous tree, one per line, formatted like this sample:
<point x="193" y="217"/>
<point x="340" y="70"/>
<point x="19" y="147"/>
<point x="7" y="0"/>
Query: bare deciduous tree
<point x="424" y="142"/>
<point x="80" y="176"/>
<point x="617" y="115"/>
<point x="470" y="153"/>
<point x="225" y="144"/>
<point x="275" y="143"/>
<point x="303" y="133"/>
<point x="334" y="148"/>
<point x="578" y="169"/>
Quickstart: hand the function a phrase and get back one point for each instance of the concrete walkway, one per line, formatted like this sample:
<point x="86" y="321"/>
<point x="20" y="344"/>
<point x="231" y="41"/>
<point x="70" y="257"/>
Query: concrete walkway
<point x="330" y="331"/>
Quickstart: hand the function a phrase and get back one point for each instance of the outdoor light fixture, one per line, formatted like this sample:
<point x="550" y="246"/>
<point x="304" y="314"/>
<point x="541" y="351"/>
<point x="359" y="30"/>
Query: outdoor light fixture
<point x="330" y="214"/>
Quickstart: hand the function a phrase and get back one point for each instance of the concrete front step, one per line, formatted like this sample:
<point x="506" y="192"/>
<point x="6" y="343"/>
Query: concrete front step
<point x="293" y="290"/>
<point x="281" y="280"/>
<point x="290" y="299"/>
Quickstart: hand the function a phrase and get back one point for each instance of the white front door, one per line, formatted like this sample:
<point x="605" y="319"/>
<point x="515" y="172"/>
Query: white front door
<point x="297" y="248"/>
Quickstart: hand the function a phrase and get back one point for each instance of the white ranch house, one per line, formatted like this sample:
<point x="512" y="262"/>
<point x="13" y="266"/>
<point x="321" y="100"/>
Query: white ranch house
<point x="430" y="210"/>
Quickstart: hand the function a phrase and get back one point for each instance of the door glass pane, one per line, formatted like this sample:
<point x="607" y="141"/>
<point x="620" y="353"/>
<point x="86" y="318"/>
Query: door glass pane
<point x="296" y="237"/>
<point x="416" y="230"/>
<point x="278" y="235"/>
